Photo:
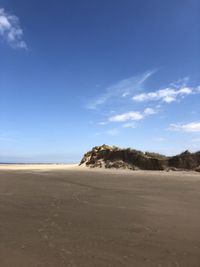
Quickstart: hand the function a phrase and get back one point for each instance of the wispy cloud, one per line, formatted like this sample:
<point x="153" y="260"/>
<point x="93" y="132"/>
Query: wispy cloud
<point x="132" y="115"/>
<point x="180" y="82"/>
<point x="149" y="111"/>
<point x="166" y="95"/>
<point x="10" y="30"/>
<point x="121" y="95"/>
<point x="128" y="116"/>
<point x="173" y="92"/>
<point x="189" y="127"/>
<point x="121" y="90"/>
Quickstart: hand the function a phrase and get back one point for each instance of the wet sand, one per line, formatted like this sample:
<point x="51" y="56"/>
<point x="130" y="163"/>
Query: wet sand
<point x="58" y="215"/>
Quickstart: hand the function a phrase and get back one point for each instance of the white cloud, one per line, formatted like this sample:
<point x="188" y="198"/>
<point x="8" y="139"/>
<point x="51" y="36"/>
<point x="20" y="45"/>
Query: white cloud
<point x="10" y="30"/>
<point x="132" y="115"/>
<point x="128" y="116"/>
<point x="166" y="95"/>
<point x="189" y="127"/>
<point x="121" y="90"/>
<point x="149" y="111"/>
<point x="180" y="82"/>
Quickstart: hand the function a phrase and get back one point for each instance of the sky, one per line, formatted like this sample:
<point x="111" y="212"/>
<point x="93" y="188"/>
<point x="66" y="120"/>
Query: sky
<point x="75" y="74"/>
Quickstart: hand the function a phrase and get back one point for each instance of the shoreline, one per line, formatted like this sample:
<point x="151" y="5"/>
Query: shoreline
<point x="43" y="167"/>
<point x="36" y="166"/>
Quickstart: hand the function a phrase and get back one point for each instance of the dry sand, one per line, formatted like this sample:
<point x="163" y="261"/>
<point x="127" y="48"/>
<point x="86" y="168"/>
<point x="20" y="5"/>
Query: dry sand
<point x="64" y="215"/>
<point x="36" y="167"/>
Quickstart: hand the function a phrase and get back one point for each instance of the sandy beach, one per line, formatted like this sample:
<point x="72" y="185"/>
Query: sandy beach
<point x="37" y="167"/>
<point x="65" y="215"/>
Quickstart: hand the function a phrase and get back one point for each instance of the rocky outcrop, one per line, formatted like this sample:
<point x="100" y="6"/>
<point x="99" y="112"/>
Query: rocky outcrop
<point x="113" y="157"/>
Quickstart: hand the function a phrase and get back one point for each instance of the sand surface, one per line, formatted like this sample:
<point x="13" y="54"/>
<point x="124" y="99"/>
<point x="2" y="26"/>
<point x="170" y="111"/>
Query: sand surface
<point x="64" y="215"/>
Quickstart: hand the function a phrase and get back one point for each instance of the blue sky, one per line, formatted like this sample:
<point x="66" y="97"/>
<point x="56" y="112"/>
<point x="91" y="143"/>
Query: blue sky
<point x="75" y="74"/>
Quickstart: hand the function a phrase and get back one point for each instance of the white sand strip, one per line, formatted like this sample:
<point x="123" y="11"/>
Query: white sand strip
<point x="41" y="167"/>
